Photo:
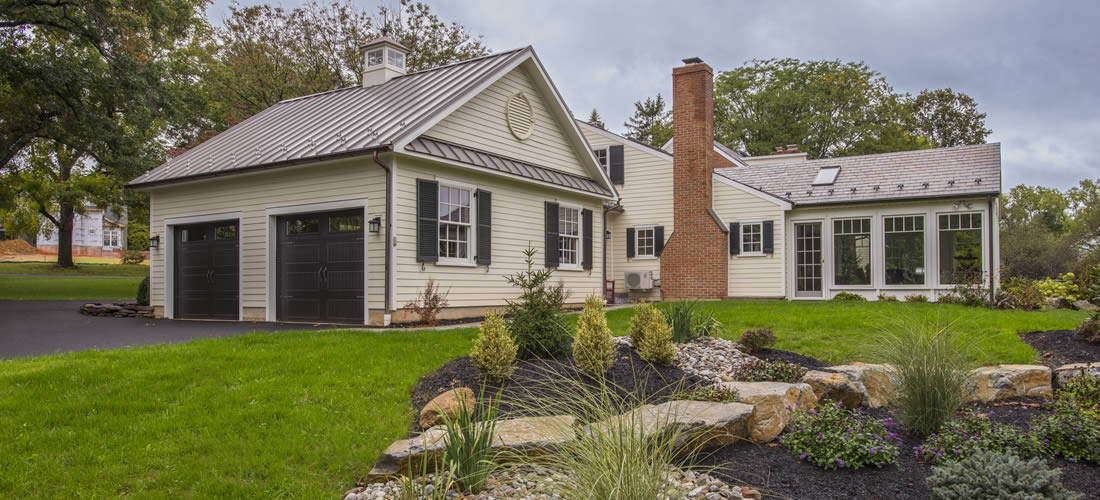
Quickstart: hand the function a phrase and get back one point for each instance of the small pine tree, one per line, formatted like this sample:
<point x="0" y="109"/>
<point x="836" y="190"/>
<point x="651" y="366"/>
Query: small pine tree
<point x="595" y="120"/>
<point x="593" y="349"/>
<point x="651" y="122"/>
<point x="644" y="314"/>
<point x="494" y="350"/>
<point x="656" y="342"/>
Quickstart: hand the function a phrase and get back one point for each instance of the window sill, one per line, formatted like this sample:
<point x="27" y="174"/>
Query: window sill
<point x="570" y="268"/>
<point x="455" y="263"/>
<point x="752" y="254"/>
<point x="644" y="257"/>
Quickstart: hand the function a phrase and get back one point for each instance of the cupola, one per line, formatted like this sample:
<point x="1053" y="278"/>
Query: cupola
<point x="384" y="58"/>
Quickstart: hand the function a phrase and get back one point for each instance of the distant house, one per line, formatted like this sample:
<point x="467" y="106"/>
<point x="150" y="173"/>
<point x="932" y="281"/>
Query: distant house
<point x="97" y="233"/>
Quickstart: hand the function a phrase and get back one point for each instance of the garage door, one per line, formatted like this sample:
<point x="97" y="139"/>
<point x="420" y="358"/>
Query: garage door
<point x="320" y="267"/>
<point x="207" y="284"/>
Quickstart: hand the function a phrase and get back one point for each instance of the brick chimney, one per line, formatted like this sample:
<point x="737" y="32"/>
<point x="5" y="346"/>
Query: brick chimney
<point x="694" y="264"/>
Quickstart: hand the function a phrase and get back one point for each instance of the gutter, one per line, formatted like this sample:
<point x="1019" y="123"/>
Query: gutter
<point x="389" y="236"/>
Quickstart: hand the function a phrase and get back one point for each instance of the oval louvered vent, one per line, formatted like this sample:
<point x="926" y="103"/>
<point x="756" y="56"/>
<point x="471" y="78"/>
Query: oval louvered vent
<point x="520" y="116"/>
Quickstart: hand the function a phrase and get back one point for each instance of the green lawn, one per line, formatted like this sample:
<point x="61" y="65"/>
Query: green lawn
<point x="838" y="332"/>
<point x="292" y="414"/>
<point x="64" y="287"/>
<point x="80" y="269"/>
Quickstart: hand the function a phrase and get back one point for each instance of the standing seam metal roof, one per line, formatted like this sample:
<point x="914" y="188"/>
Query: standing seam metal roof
<point x="338" y="122"/>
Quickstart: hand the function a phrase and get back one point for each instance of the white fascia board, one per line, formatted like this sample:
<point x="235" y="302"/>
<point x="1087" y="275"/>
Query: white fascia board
<point x="784" y="204"/>
<point x="483" y="170"/>
<point x="664" y="155"/>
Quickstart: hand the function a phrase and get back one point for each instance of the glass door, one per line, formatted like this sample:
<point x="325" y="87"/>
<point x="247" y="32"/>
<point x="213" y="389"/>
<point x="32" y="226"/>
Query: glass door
<point x="807" y="253"/>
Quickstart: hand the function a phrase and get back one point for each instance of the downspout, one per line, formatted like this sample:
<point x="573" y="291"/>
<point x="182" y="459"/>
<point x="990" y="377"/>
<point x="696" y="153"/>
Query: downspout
<point x="389" y="232"/>
<point x="992" y="294"/>
<point x="603" y="246"/>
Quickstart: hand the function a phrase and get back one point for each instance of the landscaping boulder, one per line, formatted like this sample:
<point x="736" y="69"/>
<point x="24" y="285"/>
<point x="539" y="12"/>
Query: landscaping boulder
<point x="408" y="454"/>
<point x="1058" y="303"/>
<point x="854" y="385"/>
<point x="448" y="404"/>
<point x="700" y="425"/>
<point x="1084" y="305"/>
<point x="1065" y="372"/>
<point x="990" y="383"/>
<point x="773" y="403"/>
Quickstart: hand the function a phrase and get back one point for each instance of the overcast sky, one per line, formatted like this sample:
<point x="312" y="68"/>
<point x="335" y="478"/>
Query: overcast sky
<point x="1033" y="67"/>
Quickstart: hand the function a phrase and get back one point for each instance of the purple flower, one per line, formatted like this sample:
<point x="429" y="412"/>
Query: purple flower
<point x="811" y="412"/>
<point x="803" y="456"/>
<point x="841" y="462"/>
<point x="820" y="435"/>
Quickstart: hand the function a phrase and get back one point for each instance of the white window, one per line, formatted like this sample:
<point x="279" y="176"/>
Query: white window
<point x="395" y="58"/>
<point x="111" y="237"/>
<point x="455" y="230"/>
<point x="602" y="158"/>
<point x="960" y="248"/>
<point x="569" y="237"/>
<point x="752" y="238"/>
<point x="904" y="248"/>
<point x="852" y="251"/>
<point x="645" y="242"/>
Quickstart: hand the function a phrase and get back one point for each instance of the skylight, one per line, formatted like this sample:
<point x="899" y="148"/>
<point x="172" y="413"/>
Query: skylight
<point x="826" y="176"/>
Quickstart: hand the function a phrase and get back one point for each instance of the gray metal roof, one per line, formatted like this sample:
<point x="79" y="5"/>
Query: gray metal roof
<point x="463" y="154"/>
<point x="332" y="124"/>
<point x="928" y="173"/>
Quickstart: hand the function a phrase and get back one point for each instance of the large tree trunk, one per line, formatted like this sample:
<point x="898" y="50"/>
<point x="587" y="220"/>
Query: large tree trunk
<point x="65" y="236"/>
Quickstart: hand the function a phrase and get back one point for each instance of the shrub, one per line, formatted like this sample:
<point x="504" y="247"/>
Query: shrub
<point x="1064" y="286"/>
<point x="132" y="257"/>
<point x="992" y="475"/>
<point x="143" y="292"/>
<point x="1019" y="293"/>
<point x="916" y="298"/>
<point x="931" y="367"/>
<point x="761" y="370"/>
<point x="1092" y="292"/>
<point x="494" y="349"/>
<point x="593" y="349"/>
<point x="656" y="343"/>
<point x="968" y="291"/>
<point x="882" y="297"/>
<point x="428" y="303"/>
<point x="537" y="323"/>
<point x="757" y="339"/>
<point x="850" y="296"/>
<point x="712" y="393"/>
<point x="644" y="314"/>
<point x="688" y="324"/>
<point x="1083" y="392"/>
<point x="137" y="236"/>
<point x="1089" y="329"/>
<point x="834" y="438"/>
<point x="1069" y="432"/>
<point x="971" y="433"/>
<point x="468" y="445"/>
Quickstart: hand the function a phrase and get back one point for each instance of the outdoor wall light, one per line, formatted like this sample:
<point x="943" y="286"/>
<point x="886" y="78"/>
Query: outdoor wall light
<point x="154" y="242"/>
<point x="374" y="225"/>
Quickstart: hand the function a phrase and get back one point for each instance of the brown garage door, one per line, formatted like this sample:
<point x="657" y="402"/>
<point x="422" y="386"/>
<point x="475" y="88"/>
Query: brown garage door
<point x="320" y="267"/>
<point x="207" y="270"/>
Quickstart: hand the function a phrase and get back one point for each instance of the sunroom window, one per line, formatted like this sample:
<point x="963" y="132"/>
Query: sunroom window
<point x="960" y="247"/>
<point x="903" y="240"/>
<point x="852" y="251"/>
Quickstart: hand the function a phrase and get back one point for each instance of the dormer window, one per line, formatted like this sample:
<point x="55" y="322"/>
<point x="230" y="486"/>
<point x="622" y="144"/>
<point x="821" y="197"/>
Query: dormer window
<point x="395" y="58"/>
<point x="374" y="58"/>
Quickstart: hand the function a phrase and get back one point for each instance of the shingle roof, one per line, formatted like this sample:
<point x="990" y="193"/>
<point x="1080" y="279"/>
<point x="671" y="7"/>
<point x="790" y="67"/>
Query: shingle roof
<point x="929" y="173"/>
<point x="454" y="152"/>
<point x="332" y="124"/>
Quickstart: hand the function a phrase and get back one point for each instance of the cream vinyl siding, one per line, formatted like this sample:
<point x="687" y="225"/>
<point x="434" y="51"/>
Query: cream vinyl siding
<point x="646" y="195"/>
<point x="752" y="276"/>
<point x="517" y="221"/>
<point x="481" y="124"/>
<point x="252" y="195"/>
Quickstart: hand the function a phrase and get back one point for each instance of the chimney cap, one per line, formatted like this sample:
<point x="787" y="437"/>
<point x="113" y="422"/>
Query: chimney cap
<point x="693" y="60"/>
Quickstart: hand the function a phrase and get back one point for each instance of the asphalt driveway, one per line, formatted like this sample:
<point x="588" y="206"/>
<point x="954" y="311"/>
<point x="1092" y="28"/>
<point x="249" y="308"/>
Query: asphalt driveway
<point x="32" y="327"/>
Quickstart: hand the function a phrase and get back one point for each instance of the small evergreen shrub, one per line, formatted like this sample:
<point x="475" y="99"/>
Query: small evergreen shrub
<point x="540" y="330"/>
<point x="757" y="339"/>
<point x="593" y="349"/>
<point x="1069" y="432"/>
<point x="494" y="349"/>
<point x="833" y="437"/>
<point x="1092" y="291"/>
<point x="850" y="296"/>
<point x="712" y="393"/>
<point x="964" y="436"/>
<point x="994" y="476"/>
<point x="762" y="370"/>
<point x="882" y="297"/>
<point x="916" y="298"/>
<point x="644" y="314"/>
<point x="428" y="303"/>
<point x="655" y="345"/>
<point x="143" y="292"/>
<point x="689" y="324"/>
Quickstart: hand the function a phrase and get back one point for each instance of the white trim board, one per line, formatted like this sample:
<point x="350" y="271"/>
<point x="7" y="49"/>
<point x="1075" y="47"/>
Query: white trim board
<point x="170" y="257"/>
<point x="784" y="204"/>
<point x="421" y="156"/>
<point x="664" y="155"/>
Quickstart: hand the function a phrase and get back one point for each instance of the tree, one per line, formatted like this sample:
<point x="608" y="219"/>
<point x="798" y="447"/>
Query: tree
<point x="595" y="120"/>
<point x="1047" y="207"/>
<point x="947" y="118"/>
<point x="651" y="122"/>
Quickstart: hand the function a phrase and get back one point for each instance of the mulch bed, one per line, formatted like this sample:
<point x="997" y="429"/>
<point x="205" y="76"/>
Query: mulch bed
<point x="790" y="357"/>
<point x="776" y="473"/>
<point x="1061" y="347"/>
<point x="631" y="377"/>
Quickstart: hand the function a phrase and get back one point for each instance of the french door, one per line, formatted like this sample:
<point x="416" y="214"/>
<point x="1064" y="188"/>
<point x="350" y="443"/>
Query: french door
<point x="808" y="259"/>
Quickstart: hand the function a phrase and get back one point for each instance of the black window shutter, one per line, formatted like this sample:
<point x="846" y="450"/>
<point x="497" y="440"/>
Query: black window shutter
<point x="586" y="238"/>
<point x="629" y="242"/>
<point x="658" y="240"/>
<point x="735" y="238"/>
<point x="427" y="220"/>
<point x="484" y="227"/>
<point x="615" y="162"/>
<point x="769" y="239"/>
<point x="551" y="243"/>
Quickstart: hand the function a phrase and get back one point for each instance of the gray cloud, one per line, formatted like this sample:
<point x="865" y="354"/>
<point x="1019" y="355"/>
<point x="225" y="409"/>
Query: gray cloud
<point x="1032" y="66"/>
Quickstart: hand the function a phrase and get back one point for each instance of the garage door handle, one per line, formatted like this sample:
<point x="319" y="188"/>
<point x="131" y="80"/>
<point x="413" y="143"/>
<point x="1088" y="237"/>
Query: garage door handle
<point x="324" y="273"/>
<point x="210" y="276"/>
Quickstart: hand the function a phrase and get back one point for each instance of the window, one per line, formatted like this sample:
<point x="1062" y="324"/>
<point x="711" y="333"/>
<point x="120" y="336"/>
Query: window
<point x="569" y="237"/>
<point x="374" y="58"/>
<point x="852" y="251"/>
<point x="602" y="157"/>
<point x="111" y="237"/>
<point x="303" y="225"/>
<point x="345" y="223"/>
<point x="395" y="58"/>
<point x="189" y="234"/>
<point x="752" y="238"/>
<point x="826" y="176"/>
<point x="960" y="247"/>
<point x="904" y="244"/>
<point x="454" y="224"/>
<point x="644" y="242"/>
<point x="227" y="232"/>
